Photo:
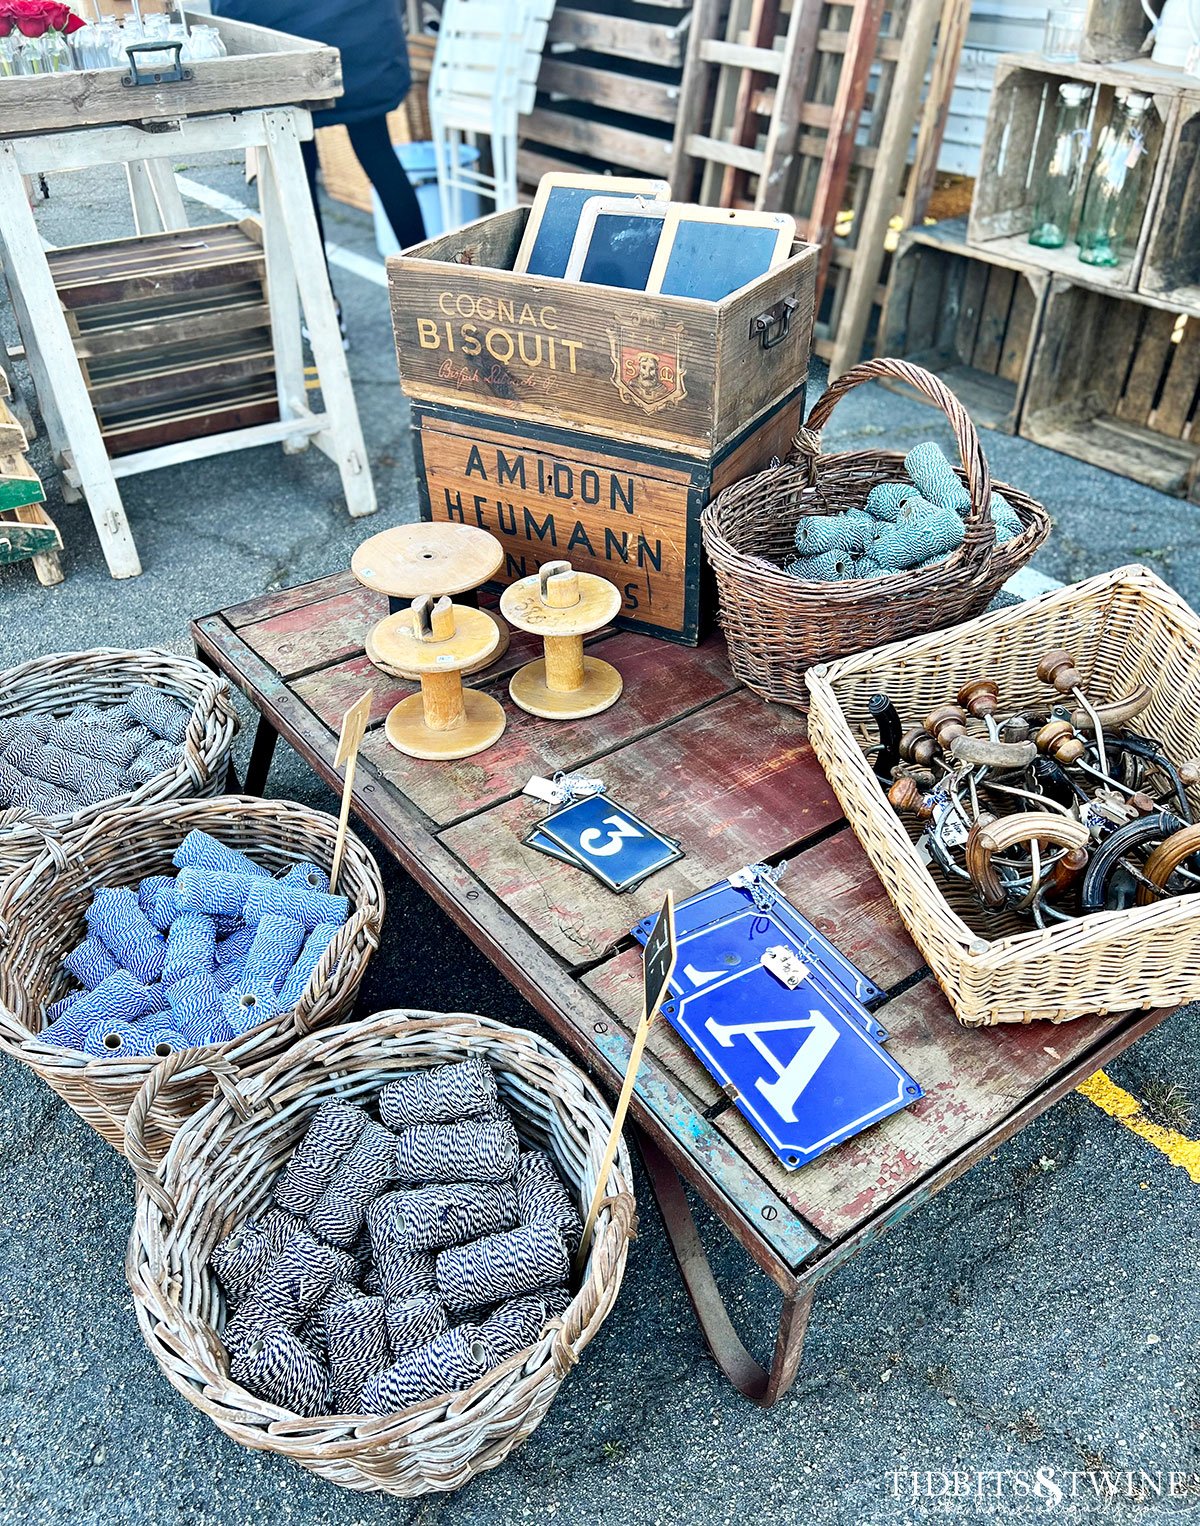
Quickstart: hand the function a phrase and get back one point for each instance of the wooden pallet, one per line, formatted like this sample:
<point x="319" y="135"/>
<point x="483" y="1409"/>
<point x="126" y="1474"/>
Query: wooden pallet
<point x="172" y="331"/>
<point x="969" y="316"/>
<point x="1115" y="381"/>
<point x="608" y="90"/>
<point x="27" y="533"/>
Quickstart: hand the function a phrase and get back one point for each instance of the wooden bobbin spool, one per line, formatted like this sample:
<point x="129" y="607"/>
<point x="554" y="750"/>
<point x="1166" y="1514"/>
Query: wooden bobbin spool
<point x="563" y="606"/>
<point x="409" y="561"/>
<point x="444" y="641"/>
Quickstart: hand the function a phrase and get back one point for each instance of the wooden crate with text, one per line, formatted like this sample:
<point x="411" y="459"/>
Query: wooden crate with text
<point x="610" y="415"/>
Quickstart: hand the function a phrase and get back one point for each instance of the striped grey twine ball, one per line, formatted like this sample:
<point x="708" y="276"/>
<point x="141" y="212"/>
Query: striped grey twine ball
<point x="542" y="1198"/>
<point x="445" y="1094"/>
<point x="477" y="1150"/>
<point x="501" y="1266"/>
<point x="277" y="1366"/>
<point x="333" y="1131"/>
<point x="356" y="1338"/>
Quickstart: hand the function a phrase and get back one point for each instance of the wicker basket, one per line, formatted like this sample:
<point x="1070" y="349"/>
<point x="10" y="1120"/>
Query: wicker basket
<point x="1124" y="628"/>
<point x="778" y="625"/>
<point x="220" y="1170"/>
<point x="344" y="178"/>
<point x="42" y="909"/>
<point x="55" y="685"/>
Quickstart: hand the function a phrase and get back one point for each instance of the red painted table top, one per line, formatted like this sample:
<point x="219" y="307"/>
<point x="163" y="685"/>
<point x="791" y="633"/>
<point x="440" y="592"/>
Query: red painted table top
<point x="735" y="780"/>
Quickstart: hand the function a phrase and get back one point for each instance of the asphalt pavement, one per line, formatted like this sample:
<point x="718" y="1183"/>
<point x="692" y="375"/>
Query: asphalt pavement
<point x="1024" y="1347"/>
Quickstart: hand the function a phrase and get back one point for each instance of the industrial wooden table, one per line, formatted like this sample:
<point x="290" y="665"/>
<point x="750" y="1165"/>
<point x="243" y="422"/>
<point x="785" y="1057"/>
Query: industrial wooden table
<point x="706" y="761"/>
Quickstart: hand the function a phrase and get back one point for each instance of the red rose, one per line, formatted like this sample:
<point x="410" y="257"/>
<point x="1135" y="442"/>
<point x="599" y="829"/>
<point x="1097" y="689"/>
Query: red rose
<point x="60" y="16"/>
<point x="30" y="16"/>
<point x="74" y="23"/>
<point x="5" y="24"/>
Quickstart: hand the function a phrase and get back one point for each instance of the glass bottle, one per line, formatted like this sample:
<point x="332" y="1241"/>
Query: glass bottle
<point x="1115" y="183"/>
<point x="1059" y="178"/>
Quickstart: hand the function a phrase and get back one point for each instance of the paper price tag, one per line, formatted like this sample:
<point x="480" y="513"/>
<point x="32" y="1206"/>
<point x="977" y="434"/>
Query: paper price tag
<point x="543" y="789"/>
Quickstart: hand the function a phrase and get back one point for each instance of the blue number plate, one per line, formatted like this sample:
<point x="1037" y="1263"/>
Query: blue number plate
<point x="619" y="848"/>
<point x="803" y="1073"/>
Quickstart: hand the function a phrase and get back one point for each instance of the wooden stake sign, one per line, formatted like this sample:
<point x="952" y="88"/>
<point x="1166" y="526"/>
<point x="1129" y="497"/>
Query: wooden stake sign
<point x="658" y="965"/>
<point x="354" y="728"/>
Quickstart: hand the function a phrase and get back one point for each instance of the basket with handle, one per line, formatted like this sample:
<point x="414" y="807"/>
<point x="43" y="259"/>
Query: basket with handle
<point x="778" y="625"/>
<point x="42" y="908"/>
<point x="220" y="1170"/>
<point x="54" y="685"/>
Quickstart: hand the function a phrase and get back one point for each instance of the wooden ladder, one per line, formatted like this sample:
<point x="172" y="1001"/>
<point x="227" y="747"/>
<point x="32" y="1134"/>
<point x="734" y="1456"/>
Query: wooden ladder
<point x="775" y="105"/>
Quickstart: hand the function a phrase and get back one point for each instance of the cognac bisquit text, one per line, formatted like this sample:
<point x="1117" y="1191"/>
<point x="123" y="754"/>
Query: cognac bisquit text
<point x="501" y="329"/>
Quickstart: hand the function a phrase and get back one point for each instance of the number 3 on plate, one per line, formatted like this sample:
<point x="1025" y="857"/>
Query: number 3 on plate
<point x="598" y="844"/>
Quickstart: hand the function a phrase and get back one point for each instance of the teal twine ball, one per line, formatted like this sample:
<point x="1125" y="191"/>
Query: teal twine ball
<point x="924" y="531"/>
<point x="926" y="464"/>
<point x="886" y="499"/>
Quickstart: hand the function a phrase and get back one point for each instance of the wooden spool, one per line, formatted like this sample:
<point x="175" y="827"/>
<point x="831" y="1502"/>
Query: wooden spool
<point x="409" y="561"/>
<point x="443" y="641"/>
<point x="563" y="606"/>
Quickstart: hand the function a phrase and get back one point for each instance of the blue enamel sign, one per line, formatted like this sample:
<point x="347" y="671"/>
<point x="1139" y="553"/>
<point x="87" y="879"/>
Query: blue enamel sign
<point x="736" y="933"/>
<point x="618" y="847"/>
<point x="802" y="1072"/>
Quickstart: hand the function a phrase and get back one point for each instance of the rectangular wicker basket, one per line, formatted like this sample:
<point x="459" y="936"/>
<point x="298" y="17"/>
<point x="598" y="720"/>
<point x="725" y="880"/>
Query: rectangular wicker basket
<point x="1123" y="628"/>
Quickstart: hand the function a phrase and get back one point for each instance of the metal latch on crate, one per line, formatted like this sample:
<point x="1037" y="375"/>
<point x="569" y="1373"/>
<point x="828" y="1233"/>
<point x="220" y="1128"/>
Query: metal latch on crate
<point x="772" y="327"/>
<point x="173" y="74"/>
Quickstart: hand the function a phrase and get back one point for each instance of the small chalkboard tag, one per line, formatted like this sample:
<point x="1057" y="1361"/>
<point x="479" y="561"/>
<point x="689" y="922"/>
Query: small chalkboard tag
<point x="616" y="241"/>
<point x="613" y="844"/>
<point x="554" y="217"/>
<point x="710" y="252"/>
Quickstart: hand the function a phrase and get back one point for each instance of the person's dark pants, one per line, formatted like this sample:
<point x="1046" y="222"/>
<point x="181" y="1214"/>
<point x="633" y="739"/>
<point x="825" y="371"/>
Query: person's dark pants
<point x="373" y="149"/>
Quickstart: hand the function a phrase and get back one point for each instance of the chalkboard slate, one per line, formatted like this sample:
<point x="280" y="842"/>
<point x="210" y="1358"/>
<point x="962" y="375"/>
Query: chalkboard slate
<point x="709" y="260"/>
<point x="620" y="249"/>
<point x="553" y="222"/>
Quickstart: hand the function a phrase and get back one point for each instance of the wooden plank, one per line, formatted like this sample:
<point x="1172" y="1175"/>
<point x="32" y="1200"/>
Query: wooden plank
<point x="993" y="320"/>
<point x="26" y="533"/>
<point x="1173" y="411"/>
<point x="1150" y="359"/>
<point x="736" y="55"/>
<point x="281" y="600"/>
<point x="237" y="318"/>
<point x="307" y="636"/>
<point x="650" y="42"/>
<point x="655" y="100"/>
<point x="296" y="74"/>
<point x="736" y="783"/>
<point x="19" y="483"/>
<point x="718" y="152"/>
<point x="214" y="417"/>
<point x="1016" y="350"/>
<point x="47" y="564"/>
<point x="622" y="146"/>
<point x="13" y="440"/>
<point x="661" y="684"/>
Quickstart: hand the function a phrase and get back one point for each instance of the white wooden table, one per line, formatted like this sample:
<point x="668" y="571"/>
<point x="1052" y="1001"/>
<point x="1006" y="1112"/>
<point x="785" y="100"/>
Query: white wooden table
<point x="297" y="280"/>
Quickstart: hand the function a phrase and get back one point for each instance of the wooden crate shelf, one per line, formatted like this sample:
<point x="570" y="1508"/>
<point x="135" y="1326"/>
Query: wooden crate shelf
<point x="1115" y="382"/>
<point x="1020" y="128"/>
<point x="27" y="533"/>
<point x="969" y="316"/>
<point x="262" y="68"/>
<point x="1171" y="269"/>
<point x="172" y="331"/>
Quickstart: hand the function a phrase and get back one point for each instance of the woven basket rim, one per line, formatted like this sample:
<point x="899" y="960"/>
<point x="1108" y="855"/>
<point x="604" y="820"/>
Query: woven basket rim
<point x="212" y="726"/>
<point x="985" y="955"/>
<point x="190" y="1357"/>
<point x="30" y="885"/>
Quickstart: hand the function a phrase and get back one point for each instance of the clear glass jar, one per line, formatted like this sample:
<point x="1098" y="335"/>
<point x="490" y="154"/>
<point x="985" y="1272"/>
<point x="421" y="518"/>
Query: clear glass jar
<point x="31" y="58"/>
<point x="56" y="53"/>
<point x="1064" y="31"/>
<point x="203" y="42"/>
<point x="8" y="56"/>
<point x="1115" y="183"/>
<point x="1057" y="181"/>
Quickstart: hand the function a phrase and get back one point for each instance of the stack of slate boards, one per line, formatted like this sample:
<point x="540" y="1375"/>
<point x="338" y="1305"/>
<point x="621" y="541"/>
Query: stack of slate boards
<point x="804" y="1062"/>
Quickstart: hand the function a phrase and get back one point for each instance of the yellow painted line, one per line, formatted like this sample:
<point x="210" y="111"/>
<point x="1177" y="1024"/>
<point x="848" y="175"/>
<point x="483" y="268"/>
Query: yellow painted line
<point x="1121" y="1105"/>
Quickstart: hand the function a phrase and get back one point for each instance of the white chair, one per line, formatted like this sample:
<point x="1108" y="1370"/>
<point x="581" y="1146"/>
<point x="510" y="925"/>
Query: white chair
<point x="484" y="76"/>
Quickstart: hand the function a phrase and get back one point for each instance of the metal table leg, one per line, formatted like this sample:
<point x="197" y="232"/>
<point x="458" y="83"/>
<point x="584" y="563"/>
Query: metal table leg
<point x="747" y="1376"/>
<point x="261" y="753"/>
